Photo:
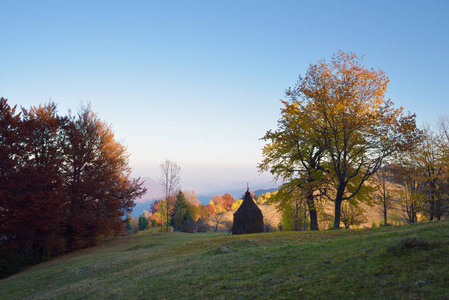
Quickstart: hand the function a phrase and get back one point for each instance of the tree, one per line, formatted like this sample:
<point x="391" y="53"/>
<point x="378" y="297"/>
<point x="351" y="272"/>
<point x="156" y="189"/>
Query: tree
<point x="381" y="179"/>
<point x="193" y="204"/>
<point x="170" y="182"/>
<point x="432" y="159"/>
<point x="191" y="198"/>
<point x="351" y="214"/>
<point x="9" y="151"/>
<point x="180" y="211"/>
<point x="228" y="200"/>
<point x="41" y="193"/>
<point x="160" y="213"/>
<point x="211" y="208"/>
<point x="295" y="155"/>
<point x="264" y="198"/>
<point x="218" y="219"/>
<point x="64" y="181"/>
<point x="98" y="184"/>
<point x="294" y="213"/>
<point x="133" y="224"/>
<point x="293" y="206"/>
<point x="345" y="122"/>
<point x="218" y="200"/>
<point x="203" y="211"/>
<point x="410" y="195"/>
<point x="237" y="204"/>
<point x="143" y="223"/>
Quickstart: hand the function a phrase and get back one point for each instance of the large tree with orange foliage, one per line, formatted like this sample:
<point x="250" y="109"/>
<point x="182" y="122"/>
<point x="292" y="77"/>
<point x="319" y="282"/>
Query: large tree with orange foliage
<point x="345" y="116"/>
<point x="98" y="185"/>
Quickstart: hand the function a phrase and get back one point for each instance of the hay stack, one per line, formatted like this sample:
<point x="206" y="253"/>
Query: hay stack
<point x="248" y="218"/>
<point x="202" y="227"/>
<point x="189" y="225"/>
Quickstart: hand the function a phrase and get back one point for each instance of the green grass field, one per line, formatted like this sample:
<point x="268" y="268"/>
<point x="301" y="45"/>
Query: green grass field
<point x="405" y="262"/>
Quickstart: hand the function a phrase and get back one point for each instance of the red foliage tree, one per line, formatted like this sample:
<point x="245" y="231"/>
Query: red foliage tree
<point x="63" y="181"/>
<point x="97" y="180"/>
<point x="9" y="150"/>
<point x="211" y="208"/>
<point x="228" y="200"/>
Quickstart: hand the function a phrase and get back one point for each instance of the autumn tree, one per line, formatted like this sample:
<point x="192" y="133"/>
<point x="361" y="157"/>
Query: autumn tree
<point x="228" y="200"/>
<point x="98" y="184"/>
<point x="191" y="197"/>
<point x="218" y="201"/>
<point x="64" y="181"/>
<point x="31" y="184"/>
<point x="9" y="150"/>
<point x="237" y="204"/>
<point x="170" y="181"/>
<point x="411" y="198"/>
<point x="294" y="154"/>
<point x="193" y="204"/>
<point x="265" y="198"/>
<point x="211" y="208"/>
<point x="431" y="156"/>
<point x="203" y="211"/>
<point x="351" y="214"/>
<point x="159" y="208"/>
<point x="41" y="194"/>
<point x="293" y="206"/>
<point x="342" y="114"/>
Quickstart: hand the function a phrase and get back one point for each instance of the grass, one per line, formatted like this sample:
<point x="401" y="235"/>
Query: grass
<point x="405" y="262"/>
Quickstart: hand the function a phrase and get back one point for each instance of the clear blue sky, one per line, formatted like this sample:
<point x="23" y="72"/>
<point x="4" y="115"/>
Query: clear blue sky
<point x="199" y="82"/>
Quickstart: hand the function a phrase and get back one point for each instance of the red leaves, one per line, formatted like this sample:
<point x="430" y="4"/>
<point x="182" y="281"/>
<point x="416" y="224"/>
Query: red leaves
<point x="63" y="180"/>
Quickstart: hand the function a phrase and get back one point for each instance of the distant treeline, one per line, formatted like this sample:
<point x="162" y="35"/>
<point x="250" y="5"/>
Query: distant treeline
<point x="64" y="183"/>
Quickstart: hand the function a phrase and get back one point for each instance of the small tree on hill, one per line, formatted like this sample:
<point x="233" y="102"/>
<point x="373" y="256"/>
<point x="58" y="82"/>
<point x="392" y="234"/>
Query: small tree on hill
<point x="228" y="200"/>
<point x="143" y="223"/>
<point x="170" y="182"/>
<point x="351" y="215"/>
<point x="381" y="179"/>
<point x="180" y="211"/>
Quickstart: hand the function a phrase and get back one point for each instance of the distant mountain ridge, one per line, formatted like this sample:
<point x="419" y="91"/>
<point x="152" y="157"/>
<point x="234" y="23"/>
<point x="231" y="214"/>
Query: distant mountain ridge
<point x="154" y="192"/>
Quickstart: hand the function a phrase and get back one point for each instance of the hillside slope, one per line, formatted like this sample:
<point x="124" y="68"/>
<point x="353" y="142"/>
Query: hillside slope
<point x="404" y="262"/>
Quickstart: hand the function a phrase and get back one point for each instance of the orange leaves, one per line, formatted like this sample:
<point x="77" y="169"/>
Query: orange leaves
<point x="337" y="111"/>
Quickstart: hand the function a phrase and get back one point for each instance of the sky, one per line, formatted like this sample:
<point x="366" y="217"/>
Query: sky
<point x="199" y="82"/>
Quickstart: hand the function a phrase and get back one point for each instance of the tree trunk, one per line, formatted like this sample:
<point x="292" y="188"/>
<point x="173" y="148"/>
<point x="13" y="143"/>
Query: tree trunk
<point x="432" y="207"/>
<point x="385" y="212"/>
<point x="312" y="212"/>
<point x="338" y="200"/>
<point x="305" y="218"/>
<point x="337" y="214"/>
<point x="166" y="203"/>
<point x="313" y="220"/>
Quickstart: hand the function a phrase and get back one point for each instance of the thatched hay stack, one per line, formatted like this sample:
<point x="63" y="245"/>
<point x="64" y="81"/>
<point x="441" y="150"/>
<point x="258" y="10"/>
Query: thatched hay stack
<point x="202" y="227"/>
<point x="189" y="225"/>
<point x="248" y="218"/>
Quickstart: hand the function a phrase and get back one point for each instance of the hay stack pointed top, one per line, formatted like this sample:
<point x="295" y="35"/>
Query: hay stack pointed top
<point x="189" y="225"/>
<point x="248" y="218"/>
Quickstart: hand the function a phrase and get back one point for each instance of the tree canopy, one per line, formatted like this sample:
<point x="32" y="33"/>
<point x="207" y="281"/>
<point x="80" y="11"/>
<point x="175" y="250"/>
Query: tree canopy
<point x="336" y="129"/>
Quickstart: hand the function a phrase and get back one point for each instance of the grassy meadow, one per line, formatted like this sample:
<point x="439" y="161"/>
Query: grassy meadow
<point x="403" y="262"/>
